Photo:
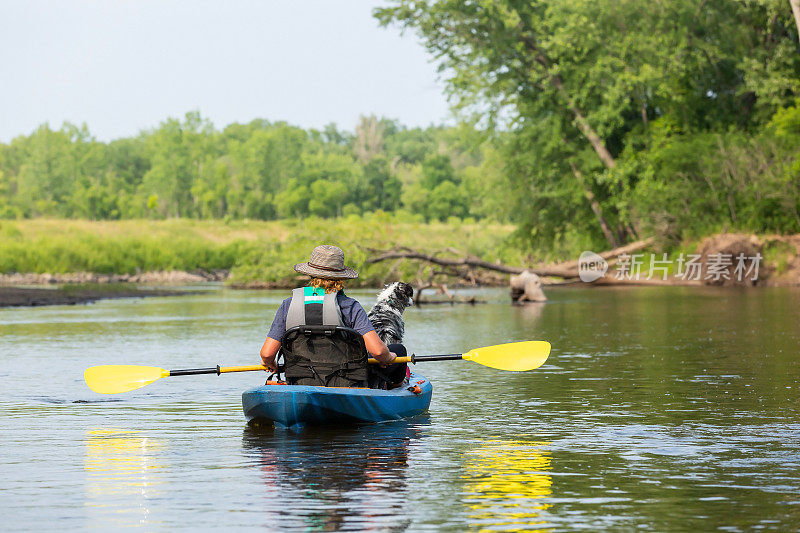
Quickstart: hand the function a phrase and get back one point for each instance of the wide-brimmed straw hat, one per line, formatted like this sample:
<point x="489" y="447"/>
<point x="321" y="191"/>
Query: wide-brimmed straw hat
<point x="326" y="262"/>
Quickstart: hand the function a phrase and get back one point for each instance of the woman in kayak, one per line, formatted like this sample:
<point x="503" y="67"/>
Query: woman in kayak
<point x="328" y="273"/>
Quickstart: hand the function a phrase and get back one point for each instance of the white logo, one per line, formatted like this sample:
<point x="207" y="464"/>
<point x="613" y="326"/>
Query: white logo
<point x="591" y="267"/>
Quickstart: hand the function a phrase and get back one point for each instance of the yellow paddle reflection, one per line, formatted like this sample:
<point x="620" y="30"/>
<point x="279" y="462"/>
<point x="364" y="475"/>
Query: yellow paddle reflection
<point x="507" y="485"/>
<point x="122" y="471"/>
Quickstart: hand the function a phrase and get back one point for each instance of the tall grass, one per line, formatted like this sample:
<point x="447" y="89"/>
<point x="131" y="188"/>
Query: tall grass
<point x="253" y="251"/>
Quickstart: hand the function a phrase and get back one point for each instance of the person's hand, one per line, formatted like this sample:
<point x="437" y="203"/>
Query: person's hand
<point x="394" y="356"/>
<point x="270" y="363"/>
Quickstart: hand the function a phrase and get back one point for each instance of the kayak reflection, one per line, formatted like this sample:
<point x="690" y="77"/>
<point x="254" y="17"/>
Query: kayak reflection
<point x="507" y="484"/>
<point x="327" y="478"/>
<point x="122" y="469"/>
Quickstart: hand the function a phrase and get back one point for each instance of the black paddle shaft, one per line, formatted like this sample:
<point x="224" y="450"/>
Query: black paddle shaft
<point x="445" y="357"/>
<point x="194" y="371"/>
<point x="216" y="370"/>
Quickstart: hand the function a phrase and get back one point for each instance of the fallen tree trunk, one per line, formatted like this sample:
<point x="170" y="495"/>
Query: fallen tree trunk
<point x="468" y="261"/>
<point x="561" y="270"/>
<point x="442" y="289"/>
<point x="612" y="254"/>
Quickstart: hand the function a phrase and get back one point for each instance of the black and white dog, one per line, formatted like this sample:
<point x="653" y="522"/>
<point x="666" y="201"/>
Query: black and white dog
<point x="387" y="313"/>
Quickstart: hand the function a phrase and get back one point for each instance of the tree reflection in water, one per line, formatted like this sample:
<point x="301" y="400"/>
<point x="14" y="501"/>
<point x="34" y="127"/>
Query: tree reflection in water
<point x="507" y="483"/>
<point x="335" y="478"/>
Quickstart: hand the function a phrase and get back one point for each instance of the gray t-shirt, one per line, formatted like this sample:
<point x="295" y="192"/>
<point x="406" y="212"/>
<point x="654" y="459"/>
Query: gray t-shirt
<point x="353" y="316"/>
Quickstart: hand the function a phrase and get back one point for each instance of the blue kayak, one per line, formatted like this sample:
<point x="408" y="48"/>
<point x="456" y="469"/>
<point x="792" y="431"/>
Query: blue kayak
<point x="299" y="405"/>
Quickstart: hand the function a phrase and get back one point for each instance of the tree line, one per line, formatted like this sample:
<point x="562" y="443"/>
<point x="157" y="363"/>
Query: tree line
<point x="261" y="170"/>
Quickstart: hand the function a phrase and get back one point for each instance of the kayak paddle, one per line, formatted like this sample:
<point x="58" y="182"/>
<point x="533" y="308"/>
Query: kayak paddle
<point x="513" y="356"/>
<point x="113" y="379"/>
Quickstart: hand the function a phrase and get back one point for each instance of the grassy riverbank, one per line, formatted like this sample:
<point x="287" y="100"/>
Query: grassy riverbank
<point x="254" y="251"/>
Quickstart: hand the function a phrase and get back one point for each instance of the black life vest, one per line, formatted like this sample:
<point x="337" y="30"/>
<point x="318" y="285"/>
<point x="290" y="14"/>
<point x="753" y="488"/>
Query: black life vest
<point x="317" y="348"/>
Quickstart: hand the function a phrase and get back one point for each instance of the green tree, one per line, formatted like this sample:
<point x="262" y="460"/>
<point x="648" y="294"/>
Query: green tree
<point x="436" y="169"/>
<point x="293" y="201"/>
<point x="327" y="198"/>
<point x="261" y="166"/>
<point x="446" y="200"/>
<point x="381" y="188"/>
<point x="411" y="146"/>
<point x="180" y="154"/>
<point x="576" y="81"/>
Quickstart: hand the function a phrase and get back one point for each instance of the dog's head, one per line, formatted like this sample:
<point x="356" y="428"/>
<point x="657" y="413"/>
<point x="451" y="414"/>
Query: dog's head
<point x="397" y="294"/>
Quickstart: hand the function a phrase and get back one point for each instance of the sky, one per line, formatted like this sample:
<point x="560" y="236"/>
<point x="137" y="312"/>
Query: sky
<point x="121" y="66"/>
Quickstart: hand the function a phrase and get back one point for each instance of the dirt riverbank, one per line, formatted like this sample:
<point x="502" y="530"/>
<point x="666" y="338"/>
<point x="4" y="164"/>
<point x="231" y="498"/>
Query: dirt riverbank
<point x="72" y="295"/>
<point x="159" y="277"/>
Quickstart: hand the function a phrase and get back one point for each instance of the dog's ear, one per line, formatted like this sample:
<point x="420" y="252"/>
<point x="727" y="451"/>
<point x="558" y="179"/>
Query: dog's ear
<point x="408" y="290"/>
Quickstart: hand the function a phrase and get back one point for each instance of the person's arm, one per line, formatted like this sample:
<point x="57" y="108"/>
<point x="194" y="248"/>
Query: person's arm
<point x="273" y="343"/>
<point x="378" y="348"/>
<point x="268" y="352"/>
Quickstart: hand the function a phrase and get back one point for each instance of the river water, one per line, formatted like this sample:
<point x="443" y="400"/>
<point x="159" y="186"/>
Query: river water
<point x="664" y="409"/>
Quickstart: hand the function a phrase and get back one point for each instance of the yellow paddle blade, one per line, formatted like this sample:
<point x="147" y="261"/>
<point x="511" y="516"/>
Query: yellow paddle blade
<point x="514" y="356"/>
<point x="113" y="379"/>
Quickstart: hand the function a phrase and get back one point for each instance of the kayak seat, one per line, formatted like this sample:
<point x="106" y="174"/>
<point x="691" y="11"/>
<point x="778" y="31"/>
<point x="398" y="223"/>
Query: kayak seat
<point x="328" y="356"/>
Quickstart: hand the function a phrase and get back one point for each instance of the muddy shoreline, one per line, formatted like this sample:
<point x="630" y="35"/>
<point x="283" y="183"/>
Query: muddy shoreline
<point x="158" y="277"/>
<point x="72" y="295"/>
